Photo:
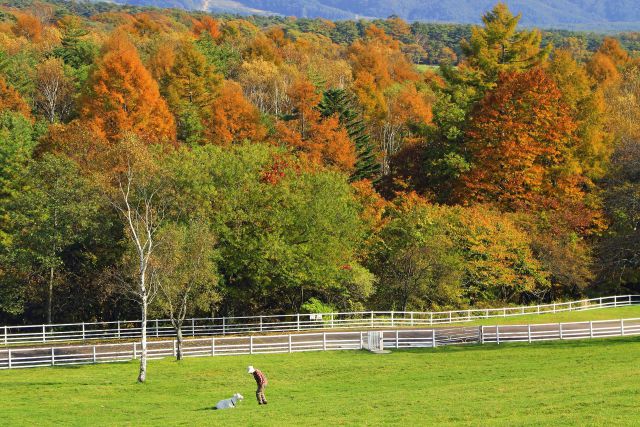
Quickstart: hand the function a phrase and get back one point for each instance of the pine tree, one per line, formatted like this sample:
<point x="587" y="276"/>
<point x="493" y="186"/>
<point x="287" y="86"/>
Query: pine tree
<point x="338" y="101"/>
<point x="319" y="140"/>
<point x="499" y="46"/>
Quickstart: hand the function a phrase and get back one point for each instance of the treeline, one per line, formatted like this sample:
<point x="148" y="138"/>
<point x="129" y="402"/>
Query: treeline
<point x="424" y="42"/>
<point x="212" y="166"/>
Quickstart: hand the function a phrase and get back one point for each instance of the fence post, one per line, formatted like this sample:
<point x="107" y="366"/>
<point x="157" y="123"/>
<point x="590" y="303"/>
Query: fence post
<point x="361" y="343"/>
<point x="289" y="343"/>
<point x="590" y="329"/>
<point x="615" y="301"/>
<point x="95" y="359"/>
<point x="324" y="340"/>
<point x="397" y="339"/>
<point x="372" y="319"/>
<point x="224" y="326"/>
<point x="44" y="334"/>
<point x="433" y="338"/>
<point x="331" y="320"/>
<point x="504" y="312"/>
<point x="193" y="328"/>
<point x="430" y="318"/>
<point x="554" y="307"/>
<point x="629" y="299"/>
<point x="118" y="329"/>
<point x="6" y="336"/>
<point x="560" y="329"/>
<point x="135" y="351"/>
<point x="392" y="318"/>
<point x="9" y="358"/>
<point x="213" y="346"/>
<point x="250" y="344"/>
<point x="298" y="321"/>
<point x="53" y="356"/>
<point x="83" y="332"/>
<point x="570" y="306"/>
<point x="260" y="323"/>
<point x="529" y="333"/>
<point x="497" y="334"/>
<point x="622" y="327"/>
<point x="481" y="333"/>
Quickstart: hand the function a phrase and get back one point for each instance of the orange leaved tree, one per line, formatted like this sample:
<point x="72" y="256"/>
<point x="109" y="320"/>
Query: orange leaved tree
<point x="321" y="141"/>
<point x="233" y="118"/>
<point x="518" y="138"/>
<point x="124" y="98"/>
<point x="10" y="99"/>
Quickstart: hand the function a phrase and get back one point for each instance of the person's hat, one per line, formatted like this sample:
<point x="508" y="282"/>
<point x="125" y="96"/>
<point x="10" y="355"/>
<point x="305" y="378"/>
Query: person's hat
<point x="250" y="370"/>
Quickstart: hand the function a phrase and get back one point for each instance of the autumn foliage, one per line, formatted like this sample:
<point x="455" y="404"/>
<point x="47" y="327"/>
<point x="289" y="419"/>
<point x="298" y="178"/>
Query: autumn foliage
<point x="519" y="137"/>
<point x="123" y="97"/>
<point x="233" y="118"/>
<point x="10" y="99"/>
<point x="375" y="164"/>
<point x="321" y="141"/>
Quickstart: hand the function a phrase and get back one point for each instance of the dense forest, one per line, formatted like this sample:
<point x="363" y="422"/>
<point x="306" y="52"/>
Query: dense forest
<point x="271" y="165"/>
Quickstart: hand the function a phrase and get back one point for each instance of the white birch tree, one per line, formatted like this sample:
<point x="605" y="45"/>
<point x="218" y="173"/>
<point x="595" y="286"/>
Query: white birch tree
<point x="136" y="188"/>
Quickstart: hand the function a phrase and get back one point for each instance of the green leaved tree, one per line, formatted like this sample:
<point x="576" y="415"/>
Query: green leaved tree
<point x="338" y="101"/>
<point x="498" y="46"/>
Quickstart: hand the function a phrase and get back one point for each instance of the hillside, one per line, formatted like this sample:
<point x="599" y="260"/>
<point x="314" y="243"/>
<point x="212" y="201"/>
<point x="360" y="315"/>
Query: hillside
<point x="585" y="14"/>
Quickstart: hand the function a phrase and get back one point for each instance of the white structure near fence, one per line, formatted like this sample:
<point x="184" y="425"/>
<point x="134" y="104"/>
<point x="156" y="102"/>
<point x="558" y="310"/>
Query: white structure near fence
<point x="161" y="328"/>
<point x="12" y="358"/>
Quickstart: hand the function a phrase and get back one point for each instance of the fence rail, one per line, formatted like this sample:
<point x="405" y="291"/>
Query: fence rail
<point x="161" y="328"/>
<point x="11" y="358"/>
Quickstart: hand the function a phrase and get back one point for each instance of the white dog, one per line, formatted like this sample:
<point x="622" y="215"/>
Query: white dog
<point x="229" y="403"/>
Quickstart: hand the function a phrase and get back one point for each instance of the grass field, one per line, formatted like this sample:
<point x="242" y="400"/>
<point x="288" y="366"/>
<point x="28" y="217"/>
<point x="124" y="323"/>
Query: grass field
<point x="567" y="316"/>
<point x="565" y="383"/>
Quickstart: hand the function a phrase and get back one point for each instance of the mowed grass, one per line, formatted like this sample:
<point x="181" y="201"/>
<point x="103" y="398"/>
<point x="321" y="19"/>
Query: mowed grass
<point x="582" y="383"/>
<point x="615" y="313"/>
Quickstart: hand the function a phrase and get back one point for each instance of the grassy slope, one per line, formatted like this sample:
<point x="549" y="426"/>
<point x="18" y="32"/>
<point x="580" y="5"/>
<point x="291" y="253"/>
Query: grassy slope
<point x="568" y="316"/>
<point x="568" y="383"/>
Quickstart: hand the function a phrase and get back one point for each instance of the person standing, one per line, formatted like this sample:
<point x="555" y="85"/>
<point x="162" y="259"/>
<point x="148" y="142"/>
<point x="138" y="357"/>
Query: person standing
<point x="262" y="382"/>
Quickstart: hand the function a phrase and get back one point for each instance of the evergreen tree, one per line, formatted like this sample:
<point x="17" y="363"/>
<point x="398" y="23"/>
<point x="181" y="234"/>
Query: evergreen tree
<point x="338" y="101"/>
<point x="499" y="46"/>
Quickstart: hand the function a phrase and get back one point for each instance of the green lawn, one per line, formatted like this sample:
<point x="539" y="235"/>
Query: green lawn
<point x="424" y="67"/>
<point x="568" y="316"/>
<point x="565" y="383"/>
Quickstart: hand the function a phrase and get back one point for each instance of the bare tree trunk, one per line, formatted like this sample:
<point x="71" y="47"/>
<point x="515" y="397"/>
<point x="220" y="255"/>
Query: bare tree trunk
<point x="179" y="342"/>
<point x="142" y="376"/>
<point x="50" y="296"/>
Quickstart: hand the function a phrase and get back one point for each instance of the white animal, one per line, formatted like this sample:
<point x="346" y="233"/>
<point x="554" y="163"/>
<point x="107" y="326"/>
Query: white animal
<point x="229" y="403"/>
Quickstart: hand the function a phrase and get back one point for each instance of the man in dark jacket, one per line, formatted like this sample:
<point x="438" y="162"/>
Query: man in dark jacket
<point x="261" y="380"/>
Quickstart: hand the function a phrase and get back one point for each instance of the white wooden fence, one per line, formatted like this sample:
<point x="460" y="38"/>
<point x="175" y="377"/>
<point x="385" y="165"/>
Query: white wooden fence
<point x="161" y="328"/>
<point x="30" y="357"/>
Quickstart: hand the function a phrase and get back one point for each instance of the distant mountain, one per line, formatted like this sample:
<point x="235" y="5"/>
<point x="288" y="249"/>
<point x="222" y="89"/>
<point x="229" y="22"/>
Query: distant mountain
<point x="594" y="14"/>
